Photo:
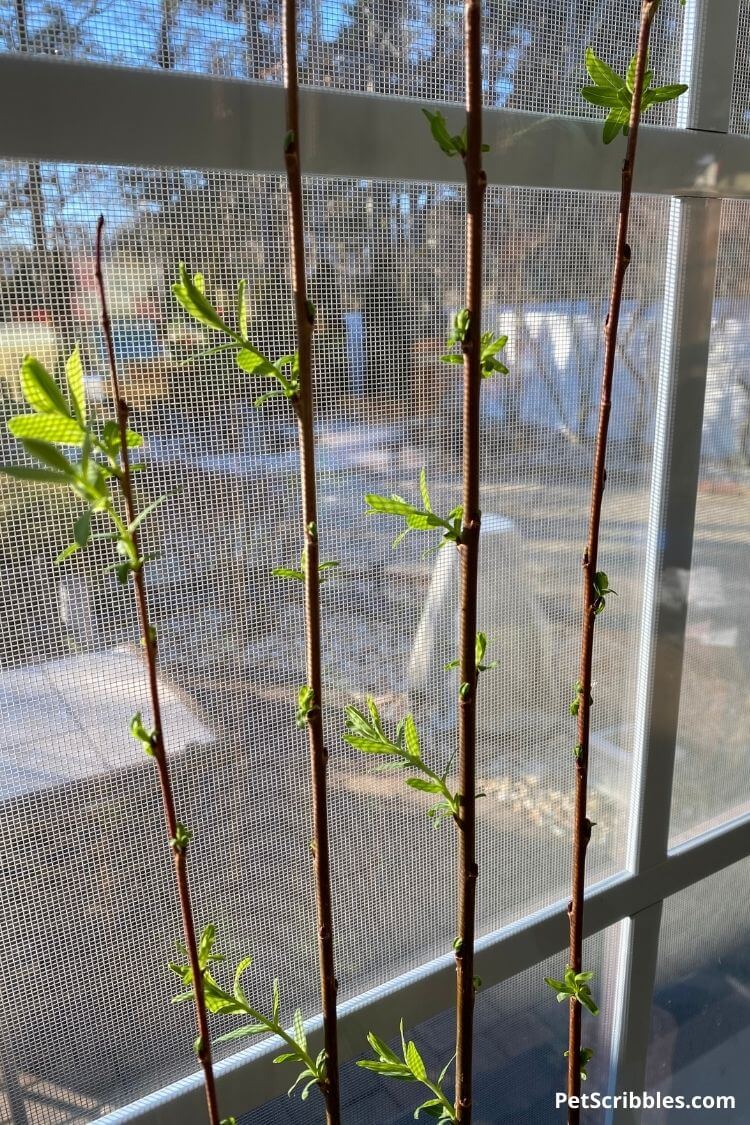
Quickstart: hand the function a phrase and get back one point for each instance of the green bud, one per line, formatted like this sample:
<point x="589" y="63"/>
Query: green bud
<point x="181" y="839"/>
<point x="151" y="634"/>
<point x="147" y="738"/>
<point x="464" y="691"/>
<point x="458" y="944"/>
<point x="305" y="702"/>
<point x="289" y="141"/>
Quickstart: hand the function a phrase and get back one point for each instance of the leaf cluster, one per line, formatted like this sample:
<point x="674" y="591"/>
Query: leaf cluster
<point x="480" y="650"/>
<point x="490" y="346"/>
<point x="602" y="590"/>
<point x="57" y="422"/>
<point x="190" y="292"/>
<point x="305" y="704"/>
<point x="143" y="734"/>
<point x="236" y="1004"/>
<point x="586" y="1055"/>
<point x="298" y="575"/>
<point x="364" y="731"/>
<point x="411" y="1069"/>
<point x="416" y="518"/>
<point x="452" y="144"/>
<point x="182" y="837"/>
<point x="575" y="704"/>
<point x="459" y="332"/>
<point x="575" y="986"/>
<point x="616" y="94"/>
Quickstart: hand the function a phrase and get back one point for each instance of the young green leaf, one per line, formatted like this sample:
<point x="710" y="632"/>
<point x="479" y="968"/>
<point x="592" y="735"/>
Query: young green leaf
<point x="424" y="491"/>
<point x="631" y="73"/>
<point x="50" y="456"/>
<point x="40" y="390"/>
<point x="299" y="1030"/>
<point x="381" y="1048"/>
<point x="490" y="348"/>
<point x="616" y="122"/>
<point x="305" y="704"/>
<point x="416" y="519"/>
<point x="415" y="1062"/>
<point x="287" y="572"/>
<point x="423" y="785"/>
<point x="242" y="309"/>
<point x="602" y="590"/>
<point x="574" y="987"/>
<point x="600" y="95"/>
<point x="410" y="737"/>
<point x="191" y="295"/>
<point x="324" y="567"/>
<point x="365" y="733"/>
<point x="48" y="427"/>
<point x="253" y="363"/>
<point x="76" y="386"/>
<point x="146" y="737"/>
<point x="412" y="1069"/>
<point x="450" y="145"/>
<point x="601" y="73"/>
<point x="667" y="93"/>
<point x="32" y="473"/>
<point x="181" y="838"/>
<point x="82" y="529"/>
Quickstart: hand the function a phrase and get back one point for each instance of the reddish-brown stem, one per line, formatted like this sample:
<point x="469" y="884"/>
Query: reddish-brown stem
<point x="581" y="824"/>
<point x="469" y="564"/>
<point x="305" y="408"/>
<point x="148" y="643"/>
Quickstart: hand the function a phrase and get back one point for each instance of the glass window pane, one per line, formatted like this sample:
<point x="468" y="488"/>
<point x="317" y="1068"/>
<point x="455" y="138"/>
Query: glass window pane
<point x="712" y="766"/>
<point x="740" y="112"/>
<point x="700" y="1031"/>
<point x="533" y="56"/>
<point x="80" y="814"/>
<point x="520" y="1035"/>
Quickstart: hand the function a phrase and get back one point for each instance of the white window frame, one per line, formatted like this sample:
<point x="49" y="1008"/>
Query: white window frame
<point x="91" y="114"/>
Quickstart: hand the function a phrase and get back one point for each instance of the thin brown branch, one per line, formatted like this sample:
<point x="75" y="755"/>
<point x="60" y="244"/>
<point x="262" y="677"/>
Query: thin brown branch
<point x="581" y="824"/>
<point x="148" y="643"/>
<point x="305" y="408"/>
<point x="469" y="562"/>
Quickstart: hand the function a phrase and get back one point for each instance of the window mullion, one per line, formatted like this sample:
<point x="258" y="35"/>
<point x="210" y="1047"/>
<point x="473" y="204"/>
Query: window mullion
<point x="708" y="63"/>
<point x="630" y="1033"/>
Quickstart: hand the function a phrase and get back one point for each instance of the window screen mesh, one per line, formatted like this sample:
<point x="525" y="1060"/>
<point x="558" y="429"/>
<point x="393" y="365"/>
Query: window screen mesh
<point x="533" y="57"/>
<point x="519" y="1041"/>
<point x="712" y="767"/>
<point x="87" y="902"/>
<point x="700" y="1029"/>
<point x="740" y="110"/>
